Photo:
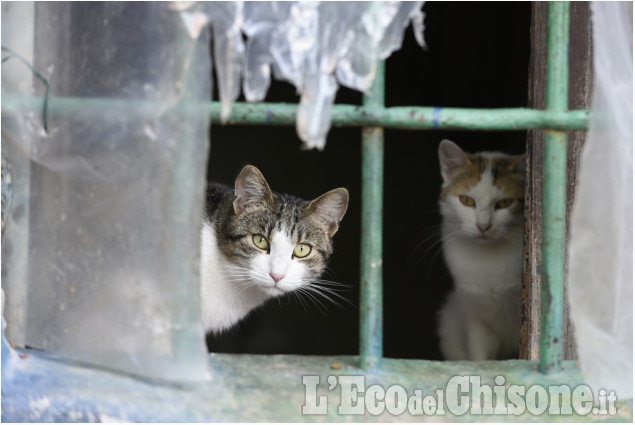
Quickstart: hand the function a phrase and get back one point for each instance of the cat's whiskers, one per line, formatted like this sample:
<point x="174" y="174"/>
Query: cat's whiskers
<point x="428" y="234"/>
<point x="446" y="239"/>
<point x="324" y="295"/>
<point x="303" y="291"/>
<point x="437" y="247"/>
<point x="434" y="234"/>
<point x="240" y="284"/>
<point x="317" y="294"/>
<point x="238" y="277"/>
<point x="330" y="283"/>
<point x="253" y="278"/>
<point x="513" y="238"/>
<point x="234" y="268"/>
<point x="230" y="282"/>
<point x="298" y="298"/>
<point x="229" y="277"/>
<point x="328" y="272"/>
<point x="245" y="286"/>
<point x="327" y="289"/>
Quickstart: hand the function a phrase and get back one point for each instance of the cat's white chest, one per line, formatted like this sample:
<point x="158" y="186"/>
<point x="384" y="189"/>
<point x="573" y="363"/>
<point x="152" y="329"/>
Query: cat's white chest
<point x="478" y="268"/>
<point x="481" y="317"/>
<point x="224" y="301"/>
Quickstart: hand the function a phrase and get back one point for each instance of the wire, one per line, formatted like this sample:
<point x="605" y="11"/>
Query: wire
<point x="12" y="54"/>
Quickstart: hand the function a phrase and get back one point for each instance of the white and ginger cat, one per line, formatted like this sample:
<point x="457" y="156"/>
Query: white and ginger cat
<point x="257" y="245"/>
<point x="482" y="225"/>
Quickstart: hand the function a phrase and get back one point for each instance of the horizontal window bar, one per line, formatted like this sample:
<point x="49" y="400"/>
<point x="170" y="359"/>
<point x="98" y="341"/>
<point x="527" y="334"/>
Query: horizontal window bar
<point x="400" y="117"/>
<point x="413" y="118"/>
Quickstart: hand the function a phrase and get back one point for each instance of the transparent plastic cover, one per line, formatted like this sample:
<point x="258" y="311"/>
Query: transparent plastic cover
<point x="601" y="247"/>
<point x="100" y="255"/>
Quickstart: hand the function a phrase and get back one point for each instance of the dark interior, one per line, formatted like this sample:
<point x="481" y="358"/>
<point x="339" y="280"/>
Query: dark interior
<point x="477" y="57"/>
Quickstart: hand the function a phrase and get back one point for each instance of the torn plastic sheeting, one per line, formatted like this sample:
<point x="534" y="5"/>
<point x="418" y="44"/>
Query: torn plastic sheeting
<point x="313" y="45"/>
<point x="601" y="245"/>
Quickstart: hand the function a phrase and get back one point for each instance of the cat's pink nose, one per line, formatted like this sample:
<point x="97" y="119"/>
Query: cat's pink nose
<point x="276" y="277"/>
<point x="483" y="227"/>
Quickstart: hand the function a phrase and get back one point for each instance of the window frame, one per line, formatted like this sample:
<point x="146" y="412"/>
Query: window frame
<point x="373" y="117"/>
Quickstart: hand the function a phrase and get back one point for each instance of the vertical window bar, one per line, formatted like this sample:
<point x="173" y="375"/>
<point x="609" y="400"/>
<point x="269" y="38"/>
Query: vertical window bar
<point x="554" y="190"/>
<point x="371" y="296"/>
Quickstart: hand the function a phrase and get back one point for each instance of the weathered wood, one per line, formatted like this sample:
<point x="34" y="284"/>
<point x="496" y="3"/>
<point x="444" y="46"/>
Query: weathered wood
<point x="580" y="79"/>
<point x="580" y="83"/>
<point x="530" y="305"/>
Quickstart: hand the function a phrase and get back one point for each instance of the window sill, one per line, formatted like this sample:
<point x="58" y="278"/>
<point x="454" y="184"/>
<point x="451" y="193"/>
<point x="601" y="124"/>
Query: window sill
<point x="252" y="388"/>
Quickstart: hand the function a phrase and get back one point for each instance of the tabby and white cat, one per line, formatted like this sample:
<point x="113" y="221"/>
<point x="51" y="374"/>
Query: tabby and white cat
<point x="257" y="245"/>
<point x="482" y="210"/>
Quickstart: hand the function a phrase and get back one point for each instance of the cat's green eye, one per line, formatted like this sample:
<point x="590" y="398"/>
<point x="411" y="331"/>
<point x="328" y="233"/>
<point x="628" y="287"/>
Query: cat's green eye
<point x="301" y="250"/>
<point x="261" y="241"/>
<point x="466" y="200"/>
<point x="504" y="203"/>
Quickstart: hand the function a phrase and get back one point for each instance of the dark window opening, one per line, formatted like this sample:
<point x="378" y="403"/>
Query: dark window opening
<point x="478" y="56"/>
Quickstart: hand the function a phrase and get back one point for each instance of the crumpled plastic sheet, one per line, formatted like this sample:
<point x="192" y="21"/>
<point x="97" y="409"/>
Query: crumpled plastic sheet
<point x="601" y="243"/>
<point x="316" y="46"/>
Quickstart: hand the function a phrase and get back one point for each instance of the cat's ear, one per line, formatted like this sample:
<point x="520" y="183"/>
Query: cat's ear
<point x="250" y="189"/>
<point x="329" y="209"/>
<point x="517" y="164"/>
<point x="451" y="158"/>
